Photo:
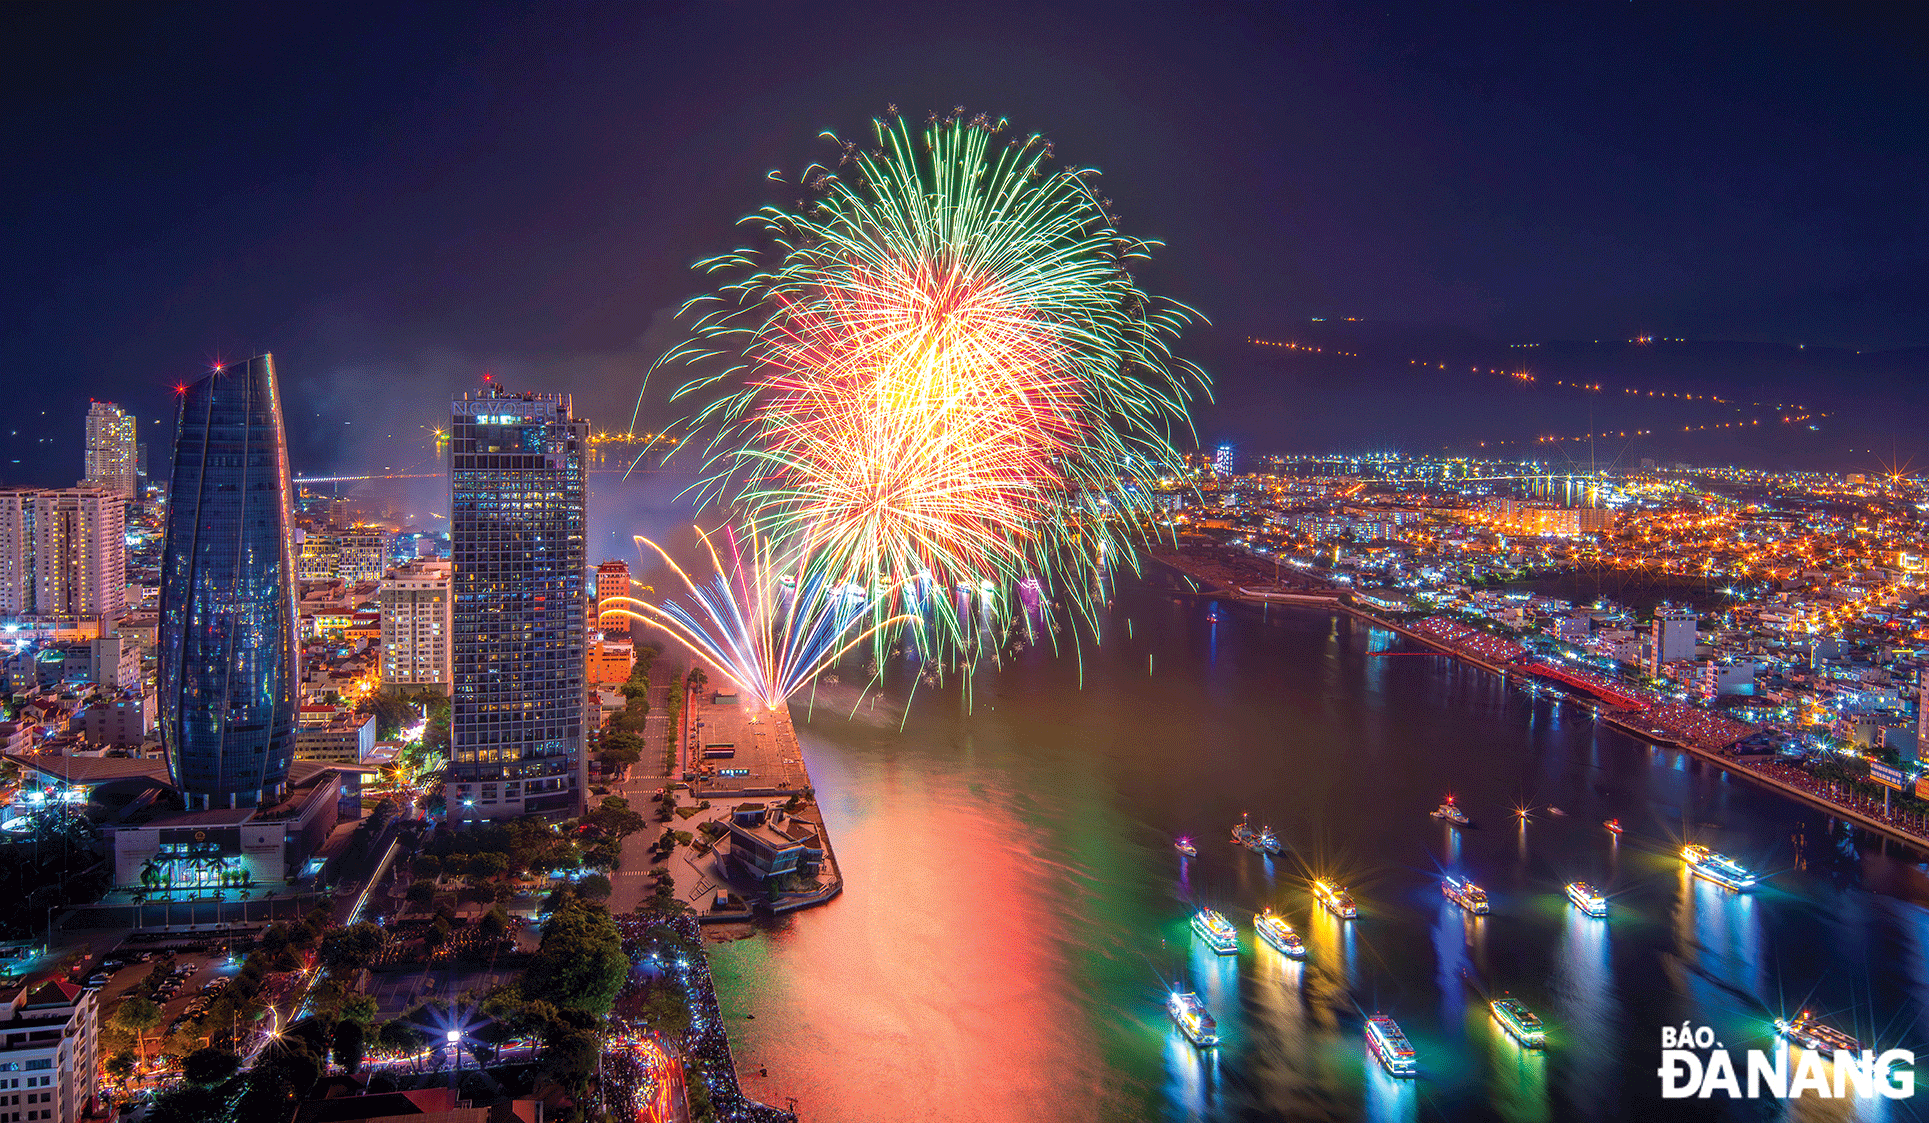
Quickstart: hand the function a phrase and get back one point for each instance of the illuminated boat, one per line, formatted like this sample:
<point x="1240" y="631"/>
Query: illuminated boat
<point x="1451" y="812"/>
<point x="1185" y="846"/>
<point x="1613" y="825"/>
<point x="1718" y="868"/>
<point x="1189" y="1014"/>
<point x="1268" y="842"/>
<point x="1465" y="894"/>
<point x="1244" y="834"/>
<point x="1334" y="899"/>
<point x="1522" y="1024"/>
<point x="1216" y="930"/>
<point x="1820" y="1037"/>
<point x="1383" y="1036"/>
<point x="1275" y="931"/>
<point x="1587" y="898"/>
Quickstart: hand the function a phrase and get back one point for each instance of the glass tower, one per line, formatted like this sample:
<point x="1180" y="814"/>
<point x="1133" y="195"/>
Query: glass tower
<point x="516" y="532"/>
<point x="227" y="628"/>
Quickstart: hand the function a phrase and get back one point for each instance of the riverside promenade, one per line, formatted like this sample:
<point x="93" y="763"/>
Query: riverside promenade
<point x="736" y="756"/>
<point x="1212" y="582"/>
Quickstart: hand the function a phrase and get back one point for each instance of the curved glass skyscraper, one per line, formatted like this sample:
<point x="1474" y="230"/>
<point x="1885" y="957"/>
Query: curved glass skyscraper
<point x="227" y="629"/>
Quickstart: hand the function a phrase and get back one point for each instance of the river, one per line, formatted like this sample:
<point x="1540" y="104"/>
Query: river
<point x="1014" y="907"/>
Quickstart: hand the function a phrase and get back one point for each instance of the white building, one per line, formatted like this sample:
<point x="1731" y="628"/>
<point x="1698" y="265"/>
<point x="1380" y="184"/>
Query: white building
<point x="122" y="722"/>
<point x="416" y="626"/>
<point x="1673" y="636"/>
<point x="63" y="554"/>
<point x="113" y="454"/>
<point x="49" y="1062"/>
<point x="346" y="738"/>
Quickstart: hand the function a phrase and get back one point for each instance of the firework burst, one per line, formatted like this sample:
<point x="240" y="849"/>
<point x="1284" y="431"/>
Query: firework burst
<point x="768" y="631"/>
<point x="940" y="368"/>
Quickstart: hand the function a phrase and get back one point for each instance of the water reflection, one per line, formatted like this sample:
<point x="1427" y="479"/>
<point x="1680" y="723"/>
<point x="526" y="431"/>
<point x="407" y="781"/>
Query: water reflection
<point x="1013" y="913"/>
<point x="1585" y="1011"/>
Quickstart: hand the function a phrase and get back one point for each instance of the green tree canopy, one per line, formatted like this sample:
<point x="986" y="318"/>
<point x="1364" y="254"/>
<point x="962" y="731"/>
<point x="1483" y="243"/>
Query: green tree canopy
<point x="349" y="1038"/>
<point x="347" y="950"/>
<point x="209" y="1066"/>
<point x="581" y="965"/>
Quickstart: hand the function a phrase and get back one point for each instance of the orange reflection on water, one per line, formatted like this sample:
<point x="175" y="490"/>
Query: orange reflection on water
<point x="931" y="988"/>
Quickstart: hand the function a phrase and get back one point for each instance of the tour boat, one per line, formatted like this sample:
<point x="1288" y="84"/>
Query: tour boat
<point x="1334" y="899"/>
<point x="1275" y="931"/>
<point x="1391" y="1046"/>
<point x="1820" y="1037"/>
<point x="1244" y="834"/>
<point x="1450" y="812"/>
<point x="1718" y="868"/>
<point x="1268" y="841"/>
<point x="1522" y="1024"/>
<point x="1216" y="931"/>
<point x="1553" y="810"/>
<point x="1587" y="898"/>
<point x="1465" y="894"/>
<point x="1613" y="825"/>
<point x="1189" y="1014"/>
<point x="1185" y="846"/>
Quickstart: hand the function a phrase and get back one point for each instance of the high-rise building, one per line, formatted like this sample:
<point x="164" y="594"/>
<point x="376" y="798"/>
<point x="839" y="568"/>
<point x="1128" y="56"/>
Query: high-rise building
<point x="1673" y="636"/>
<point x="1222" y="460"/>
<point x="516" y="534"/>
<point x="612" y="580"/>
<point x="113" y="457"/>
<point x="417" y="628"/>
<point x="227" y="621"/>
<point x="63" y="554"/>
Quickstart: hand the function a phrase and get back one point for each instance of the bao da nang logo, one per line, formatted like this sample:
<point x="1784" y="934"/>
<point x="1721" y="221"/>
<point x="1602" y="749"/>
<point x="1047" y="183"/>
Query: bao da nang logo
<point x="1827" y="1065"/>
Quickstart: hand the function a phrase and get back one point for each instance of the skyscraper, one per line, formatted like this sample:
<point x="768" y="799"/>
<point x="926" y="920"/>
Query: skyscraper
<point x="516" y="533"/>
<point x="113" y="455"/>
<point x="227" y="628"/>
<point x="63" y="554"/>
<point x="1222" y="460"/>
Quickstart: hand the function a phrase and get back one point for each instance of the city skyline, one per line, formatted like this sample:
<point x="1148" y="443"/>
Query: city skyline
<point x="743" y="562"/>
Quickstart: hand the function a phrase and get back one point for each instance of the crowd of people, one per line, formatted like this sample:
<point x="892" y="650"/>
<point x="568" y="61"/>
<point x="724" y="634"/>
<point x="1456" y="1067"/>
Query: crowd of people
<point x="1699" y="728"/>
<point x="1473" y="641"/>
<point x="706" y="1048"/>
<point x="1849" y="796"/>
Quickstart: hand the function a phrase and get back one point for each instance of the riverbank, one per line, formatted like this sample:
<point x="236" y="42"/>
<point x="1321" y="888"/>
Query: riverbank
<point x="1623" y="720"/>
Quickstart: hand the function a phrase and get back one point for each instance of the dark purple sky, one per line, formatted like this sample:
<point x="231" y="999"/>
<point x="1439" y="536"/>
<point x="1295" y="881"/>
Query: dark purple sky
<point x="394" y="198"/>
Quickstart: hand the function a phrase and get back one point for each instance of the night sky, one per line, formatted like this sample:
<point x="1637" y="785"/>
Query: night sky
<point x="394" y="199"/>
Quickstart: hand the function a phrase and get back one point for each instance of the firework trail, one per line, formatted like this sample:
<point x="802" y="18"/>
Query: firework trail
<point x="940" y="370"/>
<point x="767" y="631"/>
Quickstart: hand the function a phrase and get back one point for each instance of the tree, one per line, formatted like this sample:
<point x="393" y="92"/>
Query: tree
<point x="349" y="1038"/>
<point x="120" y="1066"/>
<point x="494" y="924"/>
<point x="137" y="1016"/>
<point x="187" y="1103"/>
<point x="595" y="886"/>
<point x="426" y="866"/>
<point x="581" y="964"/>
<point x="487" y="866"/>
<point x="401" y="1036"/>
<point x="347" y="950"/>
<point x="421" y="893"/>
<point x="210" y="1066"/>
<point x="359" y="1008"/>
